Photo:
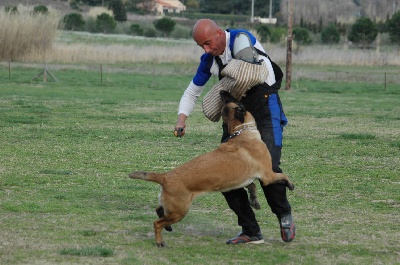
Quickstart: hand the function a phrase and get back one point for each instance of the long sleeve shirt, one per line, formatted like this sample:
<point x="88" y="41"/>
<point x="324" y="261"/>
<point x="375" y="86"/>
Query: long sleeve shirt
<point x="208" y="67"/>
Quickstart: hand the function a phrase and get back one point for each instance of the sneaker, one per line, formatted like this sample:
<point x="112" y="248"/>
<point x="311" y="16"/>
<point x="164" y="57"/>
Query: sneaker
<point x="288" y="229"/>
<point x="243" y="238"/>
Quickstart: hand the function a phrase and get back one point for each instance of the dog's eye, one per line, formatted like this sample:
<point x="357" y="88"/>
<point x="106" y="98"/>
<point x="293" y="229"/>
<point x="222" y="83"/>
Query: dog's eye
<point x="239" y="109"/>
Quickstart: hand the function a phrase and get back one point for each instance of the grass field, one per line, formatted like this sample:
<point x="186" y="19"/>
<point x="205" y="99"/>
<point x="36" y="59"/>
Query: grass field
<point x="67" y="147"/>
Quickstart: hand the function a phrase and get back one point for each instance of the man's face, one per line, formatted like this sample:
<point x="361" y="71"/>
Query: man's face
<point x="212" y="42"/>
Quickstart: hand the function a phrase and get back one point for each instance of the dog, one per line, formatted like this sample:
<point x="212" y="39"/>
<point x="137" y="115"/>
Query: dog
<point x="236" y="163"/>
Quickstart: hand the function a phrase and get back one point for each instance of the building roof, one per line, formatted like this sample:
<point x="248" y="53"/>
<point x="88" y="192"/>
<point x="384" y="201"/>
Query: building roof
<point x="170" y="3"/>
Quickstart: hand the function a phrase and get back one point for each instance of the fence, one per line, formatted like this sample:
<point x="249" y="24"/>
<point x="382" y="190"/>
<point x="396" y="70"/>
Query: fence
<point x="383" y="78"/>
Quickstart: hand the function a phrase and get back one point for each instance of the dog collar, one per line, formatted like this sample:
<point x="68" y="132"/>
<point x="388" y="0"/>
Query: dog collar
<point x="237" y="133"/>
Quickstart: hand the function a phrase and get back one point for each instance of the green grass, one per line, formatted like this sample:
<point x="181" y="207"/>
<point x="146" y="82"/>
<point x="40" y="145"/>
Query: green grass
<point x="88" y="251"/>
<point x="67" y="147"/>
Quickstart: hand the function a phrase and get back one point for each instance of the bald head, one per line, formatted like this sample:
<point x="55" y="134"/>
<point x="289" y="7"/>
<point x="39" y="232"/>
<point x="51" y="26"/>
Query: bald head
<point x="208" y="35"/>
<point x="204" y="27"/>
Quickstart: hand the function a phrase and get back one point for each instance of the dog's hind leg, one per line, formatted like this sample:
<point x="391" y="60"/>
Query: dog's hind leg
<point x="165" y="221"/>
<point x="252" y="189"/>
<point x="160" y="213"/>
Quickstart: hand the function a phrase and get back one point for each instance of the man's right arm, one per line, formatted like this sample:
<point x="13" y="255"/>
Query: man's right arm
<point x="187" y="104"/>
<point x="193" y="91"/>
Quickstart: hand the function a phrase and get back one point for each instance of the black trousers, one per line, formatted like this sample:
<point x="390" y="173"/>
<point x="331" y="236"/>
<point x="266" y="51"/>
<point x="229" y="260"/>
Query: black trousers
<point x="265" y="106"/>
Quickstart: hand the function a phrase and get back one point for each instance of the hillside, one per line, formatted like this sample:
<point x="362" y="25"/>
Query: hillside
<point x="62" y="6"/>
<point x="343" y="11"/>
<point x="310" y="10"/>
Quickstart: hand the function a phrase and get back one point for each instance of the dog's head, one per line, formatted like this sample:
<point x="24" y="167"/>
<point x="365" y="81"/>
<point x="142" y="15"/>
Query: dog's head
<point x="233" y="112"/>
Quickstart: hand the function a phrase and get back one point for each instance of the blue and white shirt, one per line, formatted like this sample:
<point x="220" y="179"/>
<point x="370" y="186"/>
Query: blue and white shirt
<point x="204" y="72"/>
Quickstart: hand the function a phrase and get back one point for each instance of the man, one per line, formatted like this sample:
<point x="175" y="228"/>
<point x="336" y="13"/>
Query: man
<point x="264" y="104"/>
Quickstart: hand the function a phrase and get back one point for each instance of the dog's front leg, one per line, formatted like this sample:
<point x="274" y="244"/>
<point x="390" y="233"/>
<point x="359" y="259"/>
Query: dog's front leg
<point x="272" y="177"/>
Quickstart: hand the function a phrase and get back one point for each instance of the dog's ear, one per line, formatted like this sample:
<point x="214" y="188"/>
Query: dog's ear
<point x="227" y="97"/>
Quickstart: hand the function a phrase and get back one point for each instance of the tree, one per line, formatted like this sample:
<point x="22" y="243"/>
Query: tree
<point x="261" y="8"/>
<point x="145" y="6"/>
<point x="330" y="34"/>
<point x="191" y="4"/>
<point x="93" y="2"/>
<point x="105" y="23"/>
<point x="165" y="25"/>
<point x="119" y="10"/>
<point x="216" y="7"/>
<point x="393" y="26"/>
<point x="363" y="32"/>
<point x="74" y="21"/>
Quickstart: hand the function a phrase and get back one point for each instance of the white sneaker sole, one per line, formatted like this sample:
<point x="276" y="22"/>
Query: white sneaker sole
<point x="256" y="242"/>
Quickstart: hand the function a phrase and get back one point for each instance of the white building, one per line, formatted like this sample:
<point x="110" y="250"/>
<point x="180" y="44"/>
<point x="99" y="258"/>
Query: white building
<point x="168" y="6"/>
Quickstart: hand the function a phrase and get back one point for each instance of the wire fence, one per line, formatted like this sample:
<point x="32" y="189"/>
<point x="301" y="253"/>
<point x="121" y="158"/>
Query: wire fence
<point x="383" y="78"/>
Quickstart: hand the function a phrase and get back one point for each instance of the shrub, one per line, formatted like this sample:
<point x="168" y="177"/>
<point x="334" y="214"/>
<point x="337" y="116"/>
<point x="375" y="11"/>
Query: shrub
<point x="363" y="32"/>
<point x="166" y="25"/>
<point x="393" y="28"/>
<point x="150" y="32"/>
<point x="74" y="4"/>
<point x="181" y="32"/>
<point x="263" y="31"/>
<point x="105" y="23"/>
<point x="136" y="29"/>
<point x="11" y="9"/>
<point x="330" y="34"/>
<point x="40" y="9"/>
<point x="74" y="21"/>
<point x="302" y="36"/>
<point x="277" y="34"/>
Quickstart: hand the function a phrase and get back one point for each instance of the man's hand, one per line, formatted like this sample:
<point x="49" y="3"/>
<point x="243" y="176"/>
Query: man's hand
<point x="179" y="132"/>
<point x="180" y="125"/>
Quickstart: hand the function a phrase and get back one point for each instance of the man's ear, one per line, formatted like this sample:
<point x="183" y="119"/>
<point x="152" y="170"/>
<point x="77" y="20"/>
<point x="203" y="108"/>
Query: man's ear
<point x="220" y="32"/>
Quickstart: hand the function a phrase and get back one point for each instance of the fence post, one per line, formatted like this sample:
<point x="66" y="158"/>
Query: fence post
<point x="101" y="73"/>
<point x="385" y="81"/>
<point x="9" y="69"/>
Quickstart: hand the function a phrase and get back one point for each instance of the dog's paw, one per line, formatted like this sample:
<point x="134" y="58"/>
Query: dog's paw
<point x="161" y="244"/>
<point x="290" y="186"/>
<point x="168" y="228"/>
<point x="255" y="204"/>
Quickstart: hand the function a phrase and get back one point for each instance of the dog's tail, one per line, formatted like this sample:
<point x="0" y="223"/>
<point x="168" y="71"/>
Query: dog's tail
<point x="149" y="176"/>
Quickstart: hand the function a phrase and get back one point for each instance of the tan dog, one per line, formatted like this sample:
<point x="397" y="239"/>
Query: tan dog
<point x="234" y="164"/>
